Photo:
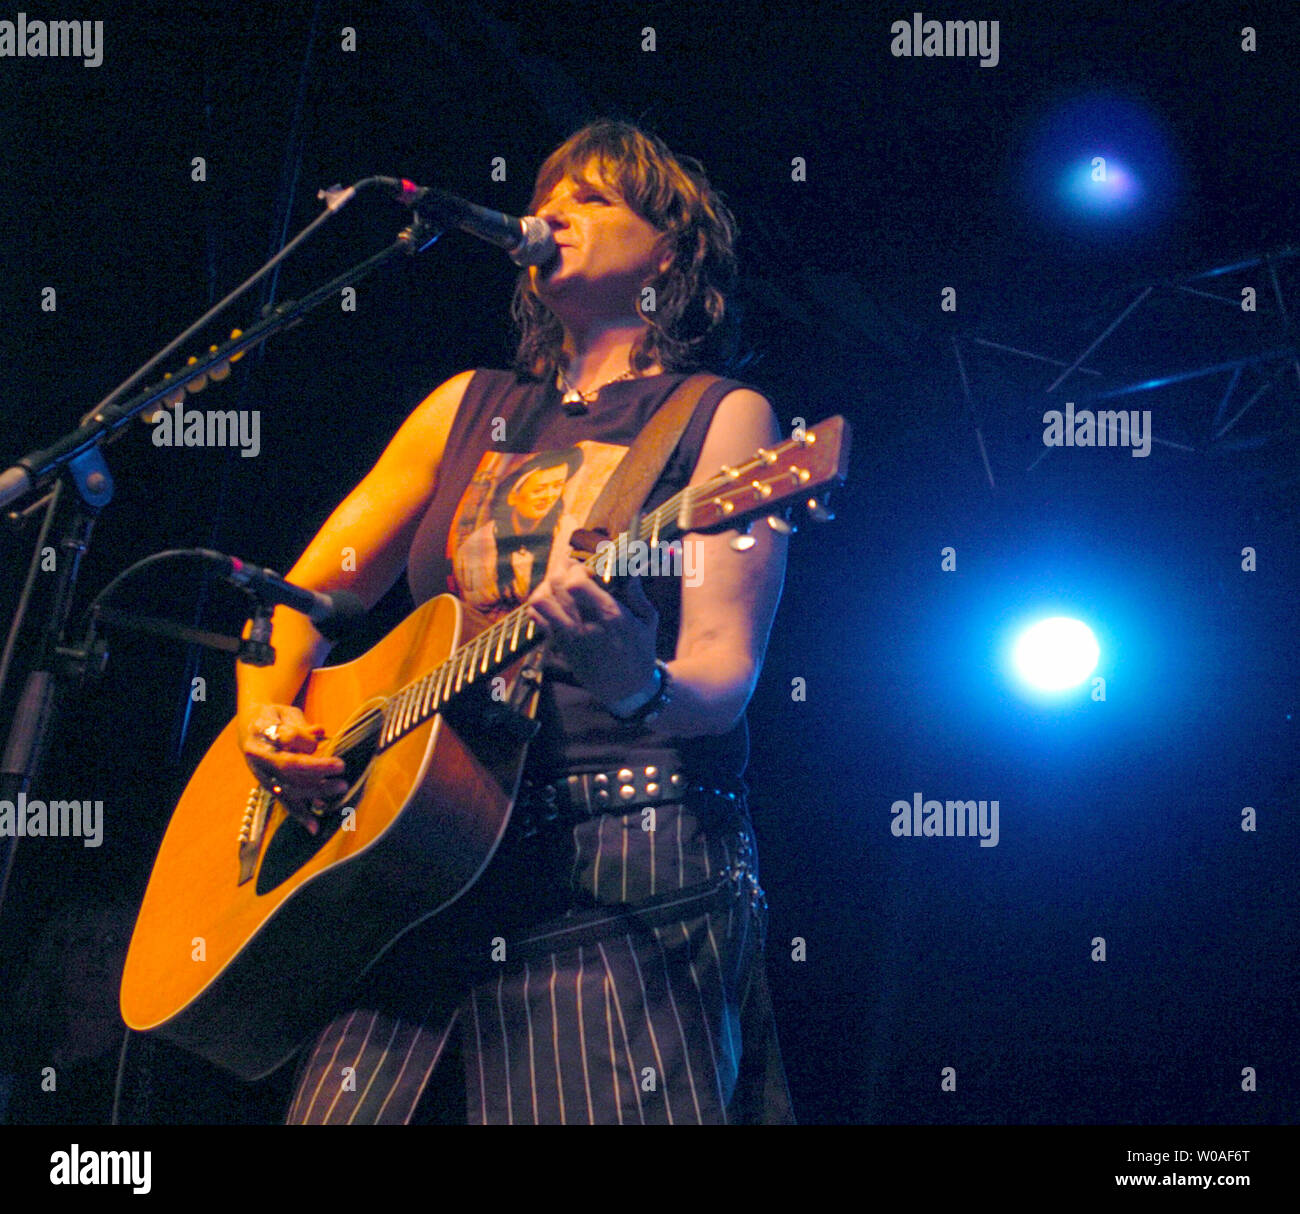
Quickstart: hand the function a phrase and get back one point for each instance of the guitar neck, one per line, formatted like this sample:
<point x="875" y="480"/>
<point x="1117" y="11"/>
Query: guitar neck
<point x="516" y="633"/>
<point x="802" y="465"/>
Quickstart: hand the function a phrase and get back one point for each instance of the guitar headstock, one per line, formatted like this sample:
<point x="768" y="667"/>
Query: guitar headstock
<point x="802" y="469"/>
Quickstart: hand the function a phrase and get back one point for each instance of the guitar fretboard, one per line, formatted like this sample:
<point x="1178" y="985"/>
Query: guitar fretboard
<point x="514" y="634"/>
<point x="756" y="487"/>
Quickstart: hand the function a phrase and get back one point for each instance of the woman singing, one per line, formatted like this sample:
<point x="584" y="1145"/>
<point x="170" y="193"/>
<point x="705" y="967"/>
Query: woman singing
<point x="652" y="1019"/>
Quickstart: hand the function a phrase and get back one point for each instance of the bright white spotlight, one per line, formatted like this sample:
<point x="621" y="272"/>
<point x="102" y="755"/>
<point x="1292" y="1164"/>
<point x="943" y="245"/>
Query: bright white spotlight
<point x="1055" y="654"/>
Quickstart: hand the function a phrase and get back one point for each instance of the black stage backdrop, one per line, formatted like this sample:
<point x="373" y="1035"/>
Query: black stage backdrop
<point x="912" y="260"/>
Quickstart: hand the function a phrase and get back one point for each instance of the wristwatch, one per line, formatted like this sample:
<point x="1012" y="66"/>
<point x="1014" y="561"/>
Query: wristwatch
<point x="643" y="707"/>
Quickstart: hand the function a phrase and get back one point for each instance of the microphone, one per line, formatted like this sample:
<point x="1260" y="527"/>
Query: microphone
<point x="333" y="613"/>
<point x="528" y="241"/>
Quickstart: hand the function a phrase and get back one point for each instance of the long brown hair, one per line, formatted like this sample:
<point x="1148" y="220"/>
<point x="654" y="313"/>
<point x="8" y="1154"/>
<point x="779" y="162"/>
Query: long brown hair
<point x="673" y="194"/>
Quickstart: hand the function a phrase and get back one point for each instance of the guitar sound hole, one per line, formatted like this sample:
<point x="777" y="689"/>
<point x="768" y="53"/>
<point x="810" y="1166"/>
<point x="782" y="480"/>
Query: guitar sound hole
<point x="290" y="848"/>
<point x="292" y="845"/>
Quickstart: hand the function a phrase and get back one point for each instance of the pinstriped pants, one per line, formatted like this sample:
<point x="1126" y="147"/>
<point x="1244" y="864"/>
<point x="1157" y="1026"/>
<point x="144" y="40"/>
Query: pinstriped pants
<point x="511" y="1011"/>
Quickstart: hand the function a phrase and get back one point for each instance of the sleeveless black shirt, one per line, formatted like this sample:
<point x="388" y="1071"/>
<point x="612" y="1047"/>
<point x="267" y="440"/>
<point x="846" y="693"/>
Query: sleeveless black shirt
<point x="517" y="477"/>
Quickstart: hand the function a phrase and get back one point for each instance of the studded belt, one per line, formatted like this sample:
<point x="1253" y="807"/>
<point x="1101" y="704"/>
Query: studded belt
<point x="598" y="792"/>
<point x="654" y="780"/>
<point x="585" y="794"/>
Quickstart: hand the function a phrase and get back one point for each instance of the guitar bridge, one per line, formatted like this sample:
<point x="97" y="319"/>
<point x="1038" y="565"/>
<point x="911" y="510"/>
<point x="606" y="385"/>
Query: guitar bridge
<point x="251" y="829"/>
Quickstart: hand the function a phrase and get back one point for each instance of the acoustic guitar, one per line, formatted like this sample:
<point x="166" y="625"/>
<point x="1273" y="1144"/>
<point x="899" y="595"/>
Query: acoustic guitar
<point x="252" y="927"/>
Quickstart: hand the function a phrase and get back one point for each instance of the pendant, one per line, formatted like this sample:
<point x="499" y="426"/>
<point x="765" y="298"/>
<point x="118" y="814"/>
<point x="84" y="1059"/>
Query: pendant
<point x="573" y="403"/>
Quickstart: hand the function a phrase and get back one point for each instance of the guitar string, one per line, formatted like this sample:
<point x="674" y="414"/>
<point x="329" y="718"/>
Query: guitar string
<point x="435" y="682"/>
<point x="441" y="674"/>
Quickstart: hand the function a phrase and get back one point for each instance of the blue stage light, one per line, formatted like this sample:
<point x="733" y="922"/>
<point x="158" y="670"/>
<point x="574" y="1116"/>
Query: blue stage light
<point x="1056" y="654"/>
<point x="1100" y="185"/>
<point x="1102" y="160"/>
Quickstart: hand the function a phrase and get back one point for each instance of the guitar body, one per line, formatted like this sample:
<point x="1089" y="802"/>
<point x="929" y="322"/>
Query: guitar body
<point x="243" y="945"/>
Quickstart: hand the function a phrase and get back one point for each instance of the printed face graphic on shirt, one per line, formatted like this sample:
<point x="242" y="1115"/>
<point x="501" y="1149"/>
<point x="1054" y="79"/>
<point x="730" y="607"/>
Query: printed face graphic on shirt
<point x="513" y="522"/>
<point x="532" y="498"/>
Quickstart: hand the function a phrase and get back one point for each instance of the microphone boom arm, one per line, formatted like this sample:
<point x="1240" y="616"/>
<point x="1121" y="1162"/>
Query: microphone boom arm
<point x="38" y="468"/>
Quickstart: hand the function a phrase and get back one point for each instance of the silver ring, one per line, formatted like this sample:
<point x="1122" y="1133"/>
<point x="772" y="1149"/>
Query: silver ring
<point x="271" y="734"/>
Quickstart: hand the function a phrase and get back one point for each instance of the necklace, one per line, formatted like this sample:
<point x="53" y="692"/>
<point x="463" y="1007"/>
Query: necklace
<point x="575" y="401"/>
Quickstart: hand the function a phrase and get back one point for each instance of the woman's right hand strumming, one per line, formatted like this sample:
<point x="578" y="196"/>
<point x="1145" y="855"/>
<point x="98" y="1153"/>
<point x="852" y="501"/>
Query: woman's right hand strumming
<point x="281" y="749"/>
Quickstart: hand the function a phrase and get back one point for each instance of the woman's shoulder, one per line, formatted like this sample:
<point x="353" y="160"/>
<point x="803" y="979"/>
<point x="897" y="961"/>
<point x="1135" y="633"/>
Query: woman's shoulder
<point x="494" y="383"/>
<point x="460" y="398"/>
<point x="730" y="404"/>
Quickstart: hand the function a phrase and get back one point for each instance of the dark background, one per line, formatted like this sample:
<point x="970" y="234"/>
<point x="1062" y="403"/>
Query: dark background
<point x="1118" y="818"/>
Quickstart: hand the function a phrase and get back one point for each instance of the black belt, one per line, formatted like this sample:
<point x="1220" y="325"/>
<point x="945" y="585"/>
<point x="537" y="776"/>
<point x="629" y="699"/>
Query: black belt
<point x="649" y="780"/>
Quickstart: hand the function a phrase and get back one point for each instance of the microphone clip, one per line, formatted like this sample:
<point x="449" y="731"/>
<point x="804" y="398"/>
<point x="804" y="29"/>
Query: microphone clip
<point x="255" y="649"/>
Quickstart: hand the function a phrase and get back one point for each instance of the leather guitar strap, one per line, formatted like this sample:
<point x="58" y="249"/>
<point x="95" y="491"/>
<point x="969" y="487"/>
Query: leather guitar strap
<point x="627" y="489"/>
<point x="623" y="495"/>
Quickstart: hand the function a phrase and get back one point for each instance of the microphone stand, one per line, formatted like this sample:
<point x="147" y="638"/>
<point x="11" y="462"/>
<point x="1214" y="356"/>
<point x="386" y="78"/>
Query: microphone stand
<point x="58" y="667"/>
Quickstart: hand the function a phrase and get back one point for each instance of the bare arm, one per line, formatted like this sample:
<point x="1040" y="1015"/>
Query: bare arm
<point x="726" y="617"/>
<point x="374" y="525"/>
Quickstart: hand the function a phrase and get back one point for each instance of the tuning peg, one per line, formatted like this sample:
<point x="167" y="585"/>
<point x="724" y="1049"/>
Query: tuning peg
<point x="744" y="541"/>
<point x="780" y="526"/>
<point x="820" y="511"/>
<point x="155" y="411"/>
